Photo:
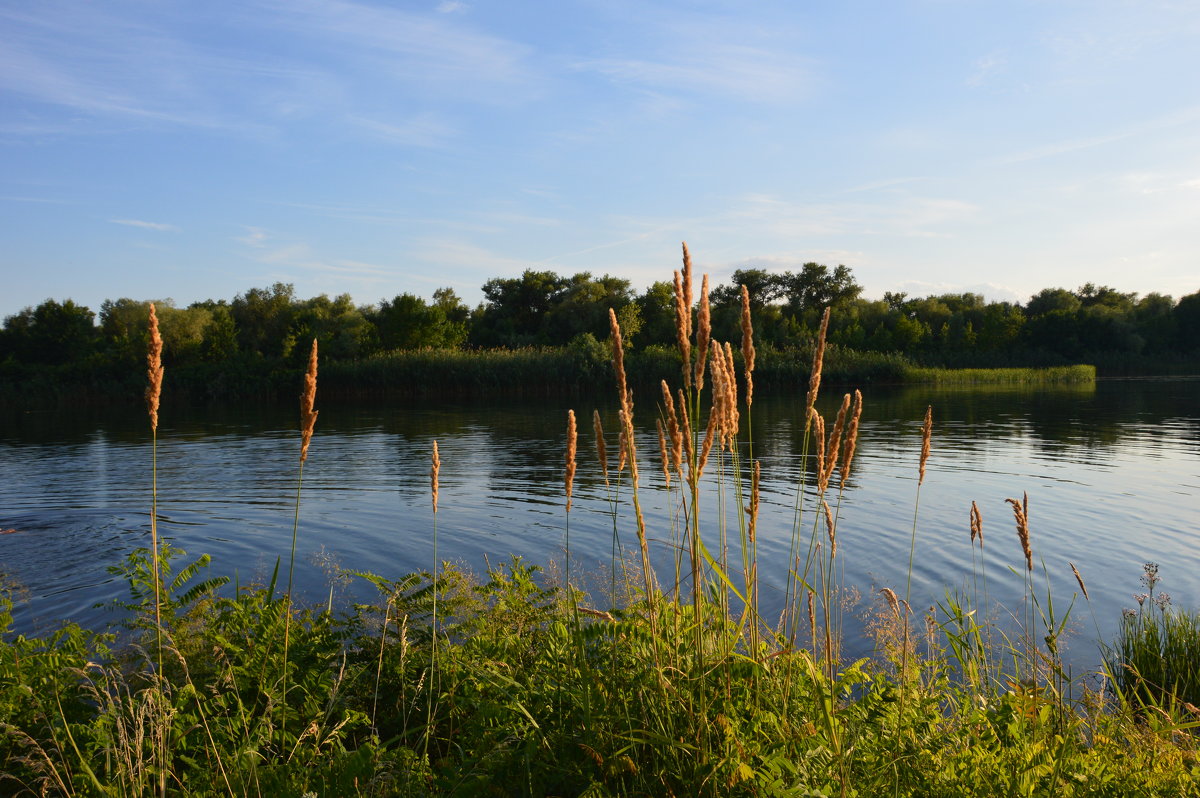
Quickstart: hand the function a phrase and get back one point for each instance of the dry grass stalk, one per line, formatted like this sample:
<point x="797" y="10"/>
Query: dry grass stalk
<point x="812" y="621"/>
<point x="814" y="379"/>
<point x="1022" y="519"/>
<point x="926" y="433"/>
<point x="976" y="524"/>
<point x="892" y="599"/>
<point x="829" y="528"/>
<point x="703" y="334"/>
<point x="834" y="447"/>
<point x="434" y="470"/>
<point x="686" y="431"/>
<point x="709" y="432"/>
<point x="571" y="441"/>
<point x="308" y="416"/>
<point x="747" y="346"/>
<point x="687" y="285"/>
<point x="732" y="416"/>
<point x="683" y="324"/>
<point x="673" y="428"/>
<point x="752" y="526"/>
<point x="851" y="438"/>
<point x="155" y="372"/>
<point x="666" y="454"/>
<point x="601" y="449"/>
<point x="818" y="428"/>
<point x="1079" y="579"/>
<point x="618" y="346"/>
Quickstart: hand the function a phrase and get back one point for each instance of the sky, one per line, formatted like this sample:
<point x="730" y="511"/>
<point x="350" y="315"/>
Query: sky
<point x="158" y="149"/>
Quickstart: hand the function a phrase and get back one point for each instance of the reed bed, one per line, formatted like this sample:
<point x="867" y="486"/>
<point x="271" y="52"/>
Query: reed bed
<point x="511" y="683"/>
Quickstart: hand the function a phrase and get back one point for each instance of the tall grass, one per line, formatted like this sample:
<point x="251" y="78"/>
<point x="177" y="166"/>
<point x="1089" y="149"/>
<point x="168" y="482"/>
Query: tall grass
<point x="510" y="683"/>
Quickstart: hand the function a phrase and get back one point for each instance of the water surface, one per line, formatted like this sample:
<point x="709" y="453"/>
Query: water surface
<point x="1112" y="472"/>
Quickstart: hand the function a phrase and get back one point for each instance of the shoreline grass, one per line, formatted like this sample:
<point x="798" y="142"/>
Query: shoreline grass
<point x="513" y="684"/>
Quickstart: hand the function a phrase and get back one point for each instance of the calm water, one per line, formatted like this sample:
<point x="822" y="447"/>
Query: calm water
<point x="1112" y="473"/>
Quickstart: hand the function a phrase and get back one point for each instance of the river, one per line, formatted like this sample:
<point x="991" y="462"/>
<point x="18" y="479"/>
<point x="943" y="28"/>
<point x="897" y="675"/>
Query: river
<point x="1112" y="472"/>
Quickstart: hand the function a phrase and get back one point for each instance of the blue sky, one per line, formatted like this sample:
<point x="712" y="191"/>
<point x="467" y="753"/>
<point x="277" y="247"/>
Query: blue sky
<point x="154" y="148"/>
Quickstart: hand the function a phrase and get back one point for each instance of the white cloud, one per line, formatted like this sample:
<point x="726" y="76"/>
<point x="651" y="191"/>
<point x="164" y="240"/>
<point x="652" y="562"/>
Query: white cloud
<point x="422" y="130"/>
<point x="450" y="7"/>
<point x="146" y="225"/>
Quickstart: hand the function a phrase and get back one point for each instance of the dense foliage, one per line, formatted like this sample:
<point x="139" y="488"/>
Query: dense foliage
<point x="557" y="325"/>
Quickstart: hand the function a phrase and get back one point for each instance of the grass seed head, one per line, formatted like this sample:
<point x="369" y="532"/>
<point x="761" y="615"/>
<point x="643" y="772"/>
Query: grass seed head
<point x="434" y="470"/>
<point x="601" y="449"/>
<point x="747" y="346"/>
<point x="926" y="434"/>
<point x="851" y="438"/>
<point x="1079" y="579"/>
<point x="308" y="416"/>
<point x="571" y="441"/>
<point x="814" y="379"/>
<point x="703" y="334"/>
<point x="155" y="372"/>
<point x="1022" y="520"/>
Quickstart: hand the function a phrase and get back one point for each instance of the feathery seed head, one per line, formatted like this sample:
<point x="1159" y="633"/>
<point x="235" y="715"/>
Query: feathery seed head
<point x="308" y="396"/>
<point x="571" y="441"/>
<point x="926" y="432"/>
<point x="703" y="334"/>
<point x="601" y="449"/>
<point x="155" y="372"/>
<point x="433" y="476"/>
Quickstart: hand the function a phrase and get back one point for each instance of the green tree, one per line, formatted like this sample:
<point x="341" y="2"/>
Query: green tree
<point x="53" y="333"/>
<point x="515" y="309"/>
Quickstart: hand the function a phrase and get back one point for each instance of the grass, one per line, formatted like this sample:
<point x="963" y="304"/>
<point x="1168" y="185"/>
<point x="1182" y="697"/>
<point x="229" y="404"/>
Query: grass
<point x="512" y="683"/>
<point x="1055" y="375"/>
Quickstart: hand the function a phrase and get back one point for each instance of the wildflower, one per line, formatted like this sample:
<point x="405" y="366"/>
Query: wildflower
<point x="1163" y="600"/>
<point x="1140" y="598"/>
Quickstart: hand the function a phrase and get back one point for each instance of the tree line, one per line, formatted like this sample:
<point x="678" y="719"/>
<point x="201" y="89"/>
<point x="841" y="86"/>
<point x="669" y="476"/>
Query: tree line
<point x="545" y="309"/>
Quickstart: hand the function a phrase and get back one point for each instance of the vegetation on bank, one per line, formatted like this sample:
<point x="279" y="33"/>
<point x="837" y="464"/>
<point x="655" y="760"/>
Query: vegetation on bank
<point x="662" y="684"/>
<point x="545" y="326"/>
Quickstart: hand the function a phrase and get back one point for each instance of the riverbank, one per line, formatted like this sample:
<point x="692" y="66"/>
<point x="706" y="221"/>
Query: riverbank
<point x="506" y="683"/>
<point x="453" y="373"/>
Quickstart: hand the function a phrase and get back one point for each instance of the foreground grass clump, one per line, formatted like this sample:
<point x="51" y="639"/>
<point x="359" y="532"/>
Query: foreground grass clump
<point x="528" y="699"/>
<point x="511" y="684"/>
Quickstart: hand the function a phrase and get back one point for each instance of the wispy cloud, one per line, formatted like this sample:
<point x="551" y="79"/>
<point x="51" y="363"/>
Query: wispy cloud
<point x="987" y="67"/>
<point x="164" y="228"/>
<point x="422" y="130"/>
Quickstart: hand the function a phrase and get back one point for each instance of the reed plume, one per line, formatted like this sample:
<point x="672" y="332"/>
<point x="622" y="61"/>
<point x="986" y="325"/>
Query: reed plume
<point x="709" y="432"/>
<point x="571" y="440"/>
<point x="434" y="470"/>
<point x="665" y="452"/>
<point x="926" y="433"/>
<point x="829" y="528"/>
<point x="601" y="449"/>
<point x="833" y="448"/>
<point x="892" y="599"/>
<point x="308" y="416"/>
<point x="814" y="379"/>
<point x="618" y="348"/>
<point x="686" y="432"/>
<point x="732" y="418"/>
<point x="673" y="428"/>
<point x="851" y="439"/>
<point x="976" y="524"/>
<point x="818" y="431"/>
<point x="1022" y="519"/>
<point x="703" y="334"/>
<point x="747" y="346"/>
<point x="155" y="372"/>
<point x="1079" y="579"/>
